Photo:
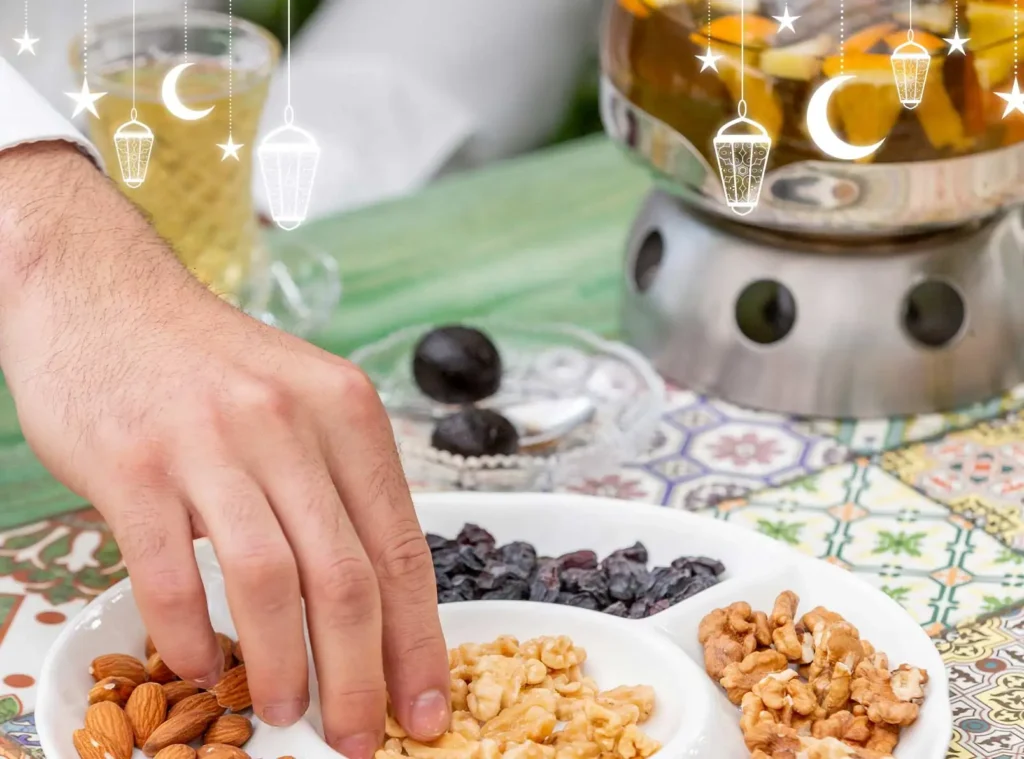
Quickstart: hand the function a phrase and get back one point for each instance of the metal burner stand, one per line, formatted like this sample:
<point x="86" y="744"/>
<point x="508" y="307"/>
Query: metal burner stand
<point x="766" y="320"/>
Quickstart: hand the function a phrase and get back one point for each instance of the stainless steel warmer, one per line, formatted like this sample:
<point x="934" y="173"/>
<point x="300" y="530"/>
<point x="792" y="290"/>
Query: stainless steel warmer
<point x="854" y="289"/>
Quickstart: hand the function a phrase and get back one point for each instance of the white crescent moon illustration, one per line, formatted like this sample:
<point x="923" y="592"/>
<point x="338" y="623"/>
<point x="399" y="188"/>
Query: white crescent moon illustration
<point x="173" y="103"/>
<point x="820" y="130"/>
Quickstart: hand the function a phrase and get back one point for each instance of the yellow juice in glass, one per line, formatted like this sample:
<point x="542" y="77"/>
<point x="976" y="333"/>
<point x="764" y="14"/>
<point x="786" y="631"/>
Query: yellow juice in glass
<point x="197" y="200"/>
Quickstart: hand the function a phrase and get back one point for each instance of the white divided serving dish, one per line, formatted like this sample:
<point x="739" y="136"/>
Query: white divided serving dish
<point x="692" y="718"/>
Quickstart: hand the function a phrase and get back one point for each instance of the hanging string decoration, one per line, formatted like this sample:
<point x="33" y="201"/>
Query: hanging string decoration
<point x="910" y="63"/>
<point x="1014" y="98"/>
<point x="709" y="60"/>
<point x="742" y="147"/>
<point x="85" y="99"/>
<point x="231" y="147"/>
<point x="818" y="127"/>
<point x="288" y="159"/>
<point x="956" y="42"/>
<point x="133" y="140"/>
<point x="785" y="20"/>
<point x="26" y="43"/>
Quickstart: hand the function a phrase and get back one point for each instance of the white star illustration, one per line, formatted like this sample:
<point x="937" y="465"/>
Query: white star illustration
<point x="85" y="100"/>
<point x="26" y="43"/>
<point x="956" y="43"/>
<point x="1014" y="99"/>
<point x="230" y="149"/>
<point x="786" y="21"/>
<point x="710" y="60"/>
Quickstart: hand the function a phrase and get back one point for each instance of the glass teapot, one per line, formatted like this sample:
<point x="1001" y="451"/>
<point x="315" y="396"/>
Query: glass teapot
<point x="951" y="157"/>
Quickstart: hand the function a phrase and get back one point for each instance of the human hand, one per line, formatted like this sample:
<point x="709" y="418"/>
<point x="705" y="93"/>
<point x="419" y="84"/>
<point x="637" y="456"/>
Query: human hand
<point x="178" y="416"/>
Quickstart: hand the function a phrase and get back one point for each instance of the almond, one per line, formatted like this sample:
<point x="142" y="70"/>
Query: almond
<point x="118" y="665"/>
<point x="182" y="728"/>
<point x="237" y="651"/>
<point x="116" y="689"/>
<point x="108" y="722"/>
<point x="221" y="751"/>
<point x="158" y="670"/>
<point x="227" y="647"/>
<point x="178" y="690"/>
<point x="201" y="703"/>
<point x="232" y="729"/>
<point x="150" y="648"/>
<point x="90" y="746"/>
<point x="146" y="710"/>
<point x="176" y="751"/>
<point x="232" y="691"/>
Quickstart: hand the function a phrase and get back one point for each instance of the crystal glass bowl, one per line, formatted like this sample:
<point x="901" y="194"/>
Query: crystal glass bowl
<point x="540" y="364"/>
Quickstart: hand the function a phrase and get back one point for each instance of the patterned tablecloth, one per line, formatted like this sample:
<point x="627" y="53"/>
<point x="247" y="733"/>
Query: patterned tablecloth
<point x="928" y="509"/>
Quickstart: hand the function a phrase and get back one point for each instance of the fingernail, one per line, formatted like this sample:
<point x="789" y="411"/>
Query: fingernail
<point x="430" y="715"/>
<point x="208" y="681"/>
<point x="360" y="746"/>
<point x="284" y="713"/>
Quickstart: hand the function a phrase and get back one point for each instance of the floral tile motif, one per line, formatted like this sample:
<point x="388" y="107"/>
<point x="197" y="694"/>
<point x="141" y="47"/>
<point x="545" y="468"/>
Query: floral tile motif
<point x="49" y="570"/>
<point x="22" y="731"/>
<point x="868" y="436"/>
<point x="708" y="451"/>
<point x="936" y="564"/>
<point x="985" y="664"/>
<point x="978" y="473"/>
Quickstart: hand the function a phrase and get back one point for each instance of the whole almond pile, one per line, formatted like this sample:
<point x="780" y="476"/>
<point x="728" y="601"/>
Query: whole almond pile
<point x="146" y="706"/>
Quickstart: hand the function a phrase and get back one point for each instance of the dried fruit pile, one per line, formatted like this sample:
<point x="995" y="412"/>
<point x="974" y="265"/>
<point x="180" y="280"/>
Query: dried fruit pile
<point x="147" y="706"/>
<point x="461" y="365"/>
<point x="473" y="567"/>
<point x="808" y="687"/>
<point x="532" y="701"/>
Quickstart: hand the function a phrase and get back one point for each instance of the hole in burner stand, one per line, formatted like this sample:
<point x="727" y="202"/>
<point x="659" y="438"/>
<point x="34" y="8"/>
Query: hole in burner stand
<point x="933" y="313"/>
<point x="648" y="260"/>
<point x="765" y="311"/>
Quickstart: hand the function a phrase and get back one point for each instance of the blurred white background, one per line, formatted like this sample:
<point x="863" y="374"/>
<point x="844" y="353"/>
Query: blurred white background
<point x="396" y="91"/>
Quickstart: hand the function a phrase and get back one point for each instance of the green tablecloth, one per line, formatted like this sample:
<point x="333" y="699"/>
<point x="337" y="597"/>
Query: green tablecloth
<point x="539" y="238"/>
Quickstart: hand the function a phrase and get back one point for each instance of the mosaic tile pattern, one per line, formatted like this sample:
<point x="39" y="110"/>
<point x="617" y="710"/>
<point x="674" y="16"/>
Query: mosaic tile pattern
<point x="868" y="436"/>
<point x="708" y="451"/>
<point x="935" y="564"/>
<point x="985" y="662"/>
<point x="977" y="473"/>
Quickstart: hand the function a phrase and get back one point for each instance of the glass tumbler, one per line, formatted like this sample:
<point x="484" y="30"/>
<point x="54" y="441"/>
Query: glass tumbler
<point x="197" y="199"/>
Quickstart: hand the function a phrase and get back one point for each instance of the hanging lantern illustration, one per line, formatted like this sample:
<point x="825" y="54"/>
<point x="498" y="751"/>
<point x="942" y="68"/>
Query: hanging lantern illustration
<point x="910" y="62"/>
<point x="742" y="147"/>
<point x="133" y="141"/>
<point x="288" y="159"/>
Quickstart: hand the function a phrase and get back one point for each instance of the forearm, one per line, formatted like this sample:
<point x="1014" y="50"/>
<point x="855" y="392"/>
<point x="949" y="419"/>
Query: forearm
<point x="70" y="244"/>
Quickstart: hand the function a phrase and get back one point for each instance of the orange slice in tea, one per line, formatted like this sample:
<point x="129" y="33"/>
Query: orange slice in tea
<point x="636" y="7"/>
<point x="991" y="35"/>
<point x="763" y="105"/>
<point x="989" y="23"/>
<point x="757" y="31"/>
<point x="928" y="41"/>
<point x="938" y="116"/>
<point x="869" y="105"/>
<point x="867" y="38"/>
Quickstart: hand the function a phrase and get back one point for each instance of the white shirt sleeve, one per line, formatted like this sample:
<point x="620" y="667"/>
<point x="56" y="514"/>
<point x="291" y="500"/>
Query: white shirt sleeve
<point x="28" y="117"/>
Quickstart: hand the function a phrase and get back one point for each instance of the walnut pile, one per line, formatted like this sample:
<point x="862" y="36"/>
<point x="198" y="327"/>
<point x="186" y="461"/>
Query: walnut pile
<point x="531" y="701"/>
<point x="808" y="687"/>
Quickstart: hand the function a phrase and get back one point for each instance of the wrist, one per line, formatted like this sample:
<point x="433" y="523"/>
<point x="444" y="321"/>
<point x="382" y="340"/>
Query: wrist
<point x="39" y="185"/>
<point x="72" y="248"/>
